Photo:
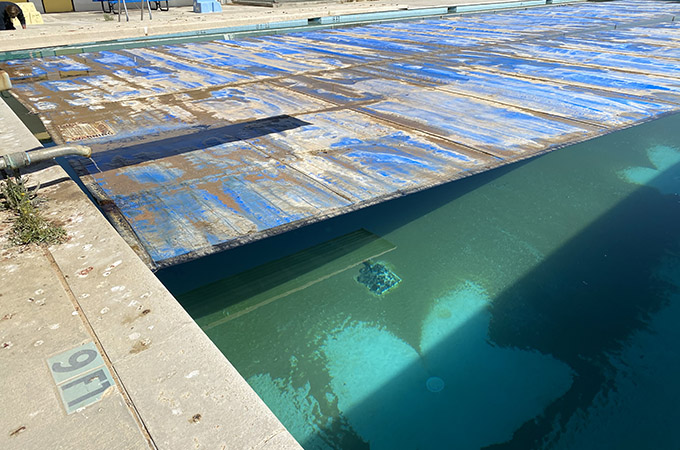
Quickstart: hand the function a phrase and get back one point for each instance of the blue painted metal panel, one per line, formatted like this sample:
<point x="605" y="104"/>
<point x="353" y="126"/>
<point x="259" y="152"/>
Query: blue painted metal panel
<point x="633" y="44"/>
<point x="296" y="46"/>
<point x="360" y="158"/>
<point x="498" y="130"/>
<point x="21" y="70"/>
<point x="611" y="110"/>
<point x="202" y="198"/>
<point x="206" y="146"/>
<point x="621" y="62"/>
<point x="570" y="73"/>
<point x="556" y="99"/>
<point x="255" y="101"/>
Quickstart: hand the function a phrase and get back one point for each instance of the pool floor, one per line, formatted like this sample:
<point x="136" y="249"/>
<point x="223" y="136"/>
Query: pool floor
<point x="533" y="306"/>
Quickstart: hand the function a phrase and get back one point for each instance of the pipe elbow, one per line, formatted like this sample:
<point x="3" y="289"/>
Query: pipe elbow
<point x="18" y="160"/>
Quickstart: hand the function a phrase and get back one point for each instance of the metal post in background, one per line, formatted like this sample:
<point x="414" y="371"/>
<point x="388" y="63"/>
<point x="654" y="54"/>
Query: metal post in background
<point x="148" y="5"/>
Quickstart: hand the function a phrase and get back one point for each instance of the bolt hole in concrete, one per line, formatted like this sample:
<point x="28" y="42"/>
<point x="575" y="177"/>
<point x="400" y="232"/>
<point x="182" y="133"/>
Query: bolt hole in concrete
<point x="535" y="303"/>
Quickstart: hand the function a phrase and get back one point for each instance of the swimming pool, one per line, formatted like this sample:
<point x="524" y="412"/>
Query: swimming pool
<point x="532" y="306"/>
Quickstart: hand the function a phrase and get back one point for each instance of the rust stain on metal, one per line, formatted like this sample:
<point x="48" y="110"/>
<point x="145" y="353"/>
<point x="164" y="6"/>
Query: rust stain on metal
<point x="71" y="132"/>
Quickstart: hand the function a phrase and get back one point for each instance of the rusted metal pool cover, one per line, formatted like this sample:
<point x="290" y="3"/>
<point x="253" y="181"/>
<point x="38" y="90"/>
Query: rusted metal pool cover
<point x="204" y="146"/>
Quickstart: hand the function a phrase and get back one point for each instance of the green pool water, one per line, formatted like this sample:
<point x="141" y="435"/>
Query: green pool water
<point x="534" y="306"/>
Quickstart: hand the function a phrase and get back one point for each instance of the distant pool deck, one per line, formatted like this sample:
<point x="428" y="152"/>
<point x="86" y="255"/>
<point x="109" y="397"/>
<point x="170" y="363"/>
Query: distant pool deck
<point x="72" y="29"/>
<point x="96" y="353"/>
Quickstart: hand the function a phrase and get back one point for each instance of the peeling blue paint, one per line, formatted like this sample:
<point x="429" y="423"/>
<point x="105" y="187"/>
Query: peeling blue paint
<point x="110" y="59"/>
<point x="202" y="145"/>
<point x="153" y="174"/>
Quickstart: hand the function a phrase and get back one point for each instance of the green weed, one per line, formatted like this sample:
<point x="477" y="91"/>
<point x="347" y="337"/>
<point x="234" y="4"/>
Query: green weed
<point x="29" y="226"/>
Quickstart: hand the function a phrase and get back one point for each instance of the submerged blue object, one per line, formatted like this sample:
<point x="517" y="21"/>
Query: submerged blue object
<point x="435" y="384"/>
<point x="377" y="277"/>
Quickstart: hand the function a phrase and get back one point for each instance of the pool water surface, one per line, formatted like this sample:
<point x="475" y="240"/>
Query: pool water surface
<point x="533" y="306"/>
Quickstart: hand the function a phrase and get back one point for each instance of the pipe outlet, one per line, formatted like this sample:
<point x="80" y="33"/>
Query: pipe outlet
<point x="18" y="160"/>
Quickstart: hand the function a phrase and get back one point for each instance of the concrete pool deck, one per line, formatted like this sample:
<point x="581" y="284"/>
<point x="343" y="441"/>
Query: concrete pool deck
<point x="65" y="29"/>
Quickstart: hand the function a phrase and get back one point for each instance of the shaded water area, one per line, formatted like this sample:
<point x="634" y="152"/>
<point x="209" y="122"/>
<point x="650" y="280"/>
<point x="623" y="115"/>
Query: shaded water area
<point x="533" y="306"/>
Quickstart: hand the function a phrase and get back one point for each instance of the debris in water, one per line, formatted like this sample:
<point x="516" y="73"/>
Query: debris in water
<point x="377" y="277"/>
<point x="434" y="384"/>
